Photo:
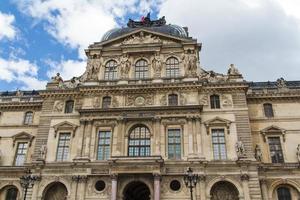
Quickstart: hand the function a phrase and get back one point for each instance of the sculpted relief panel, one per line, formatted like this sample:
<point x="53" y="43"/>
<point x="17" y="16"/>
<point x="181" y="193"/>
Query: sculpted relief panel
<point x="139" y="100"/>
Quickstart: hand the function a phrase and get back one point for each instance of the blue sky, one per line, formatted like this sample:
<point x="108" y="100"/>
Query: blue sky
<point x="41" y="37"/>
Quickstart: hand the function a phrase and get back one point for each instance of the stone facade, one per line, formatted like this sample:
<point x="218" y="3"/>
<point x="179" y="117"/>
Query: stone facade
<point x="141" y="114"/>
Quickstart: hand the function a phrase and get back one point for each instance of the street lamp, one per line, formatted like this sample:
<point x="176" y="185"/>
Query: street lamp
<point x="190" y="180"/>
<point x="27" y="181"/>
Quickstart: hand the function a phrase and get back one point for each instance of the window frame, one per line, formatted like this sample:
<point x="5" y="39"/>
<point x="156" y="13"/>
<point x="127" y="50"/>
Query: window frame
<point x="103" y="145"/>
<point x="215" y="101"/>
<point x="104" y="102"/>
<point x="172" y="68"/>
<point x="170" y="100"/>
<point x="224" y="143"/>
<point x="58" y="145"/>
<point x="24" y="154"/>
<point x="66" y="110"/>
<point x="139" y="146"/>
<point x="268" y="110"/>
<point x="174" y="144"/>
<point x="280" y="160"/>
<point x="284" y="187"/>
<point x="111" y="71"/>
<point x="25" y="120"/>
<point x="141" y="71"/>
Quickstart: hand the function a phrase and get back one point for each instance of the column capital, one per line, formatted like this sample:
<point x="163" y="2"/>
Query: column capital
<point x="157" y="176"/>
<point x="245" y="177"/>
<point x="114" y="176"/>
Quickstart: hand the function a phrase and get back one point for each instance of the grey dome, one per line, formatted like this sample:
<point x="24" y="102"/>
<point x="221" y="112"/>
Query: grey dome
<point x="170" y="29"/>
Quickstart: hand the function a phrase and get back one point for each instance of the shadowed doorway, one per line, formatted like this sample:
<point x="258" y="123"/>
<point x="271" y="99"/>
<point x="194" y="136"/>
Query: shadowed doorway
<point x="136" y="191"/>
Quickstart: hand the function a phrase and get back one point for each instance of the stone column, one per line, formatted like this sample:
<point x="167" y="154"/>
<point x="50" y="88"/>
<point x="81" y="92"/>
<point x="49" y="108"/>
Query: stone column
<point x="202" y="179"/>
<point x="157" y="186"/>
<point x="114" y="186"/>
<point x="264" y="189"/>
<point x="199" y="137"/>
<point x="190" y="137"/>
<point x="80" y="147"/>
<point x="245" y="183"/>
<point x="88" y="133"/>
<point x="157" y="134"/>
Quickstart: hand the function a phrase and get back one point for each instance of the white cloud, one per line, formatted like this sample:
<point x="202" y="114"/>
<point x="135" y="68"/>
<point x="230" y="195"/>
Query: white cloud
<point x="20" y="71"/>
<point x="67" y="68"/>
<point x="7" y="29"/>
<point x="261" y="38"/>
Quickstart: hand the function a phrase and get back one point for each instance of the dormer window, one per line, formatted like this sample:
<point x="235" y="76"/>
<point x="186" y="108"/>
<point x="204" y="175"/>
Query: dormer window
<point x="172" y="67"/>
<point x="268" y="110"/>
<point x="69" y="106"/>
<point x="173" y="99"/>
<point x="215" y="102"/>
<point x="106" y="102"/>
<point x="110" y="72"/>
<point x="141" y="69"/>
<point x="28" y="118"/>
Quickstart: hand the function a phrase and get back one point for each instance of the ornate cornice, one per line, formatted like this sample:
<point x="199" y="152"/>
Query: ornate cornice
<point x="21" y="105"/>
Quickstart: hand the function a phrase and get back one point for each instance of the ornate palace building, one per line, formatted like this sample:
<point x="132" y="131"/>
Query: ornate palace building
<point x="141" y="114"/>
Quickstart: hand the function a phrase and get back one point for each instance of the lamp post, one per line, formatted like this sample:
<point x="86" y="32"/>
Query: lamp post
<point x="27" y="181"/>
<point x="190" y="180"/>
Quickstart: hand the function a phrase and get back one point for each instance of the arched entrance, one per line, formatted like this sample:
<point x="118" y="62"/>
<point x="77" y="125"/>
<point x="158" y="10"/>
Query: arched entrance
<point x="56" y="191"/>
<point x="224" y="190"/>
<point x="136" y="190"/>
<point x="9" y="193"/>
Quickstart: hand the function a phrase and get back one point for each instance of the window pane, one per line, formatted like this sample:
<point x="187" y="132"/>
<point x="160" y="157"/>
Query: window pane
<point x="21" y="153"/>
<point x="174" y="144"/>
<point x="69" y="106"/>
<point x="215" y="101"/>
<point x="219" y="144"/>
<point x="141" y="69"/>
<point x="28" y="118"/>
<point x="110" y="72"/>
<point x="139" y="142"/>
<point x="103" y="145"/>
<point x="268" y="109"/>
<point x="173" y="99"/>
<point x="63" y="147"/>
<point x="275" y="150"/>
<point x="172" y="67"/>
<point x="283" y="193"/>
<point x="11" y="194"/>
<point x="106" y="102"/>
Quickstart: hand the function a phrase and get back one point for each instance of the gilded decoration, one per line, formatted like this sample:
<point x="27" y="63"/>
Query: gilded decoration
<point x="141" y="38"/>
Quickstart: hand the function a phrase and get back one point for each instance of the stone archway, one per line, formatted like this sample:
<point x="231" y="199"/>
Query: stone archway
<point x="56" y="191"/>
<point x="224" y="190"/>
<point x="136" y="190"/>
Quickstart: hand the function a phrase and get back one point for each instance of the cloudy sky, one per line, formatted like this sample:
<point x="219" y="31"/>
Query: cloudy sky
<point x="41" y="37"/>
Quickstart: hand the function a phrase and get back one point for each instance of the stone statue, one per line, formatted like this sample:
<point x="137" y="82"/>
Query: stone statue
<point x="190" y="64"/>
<point x="93" y="67"/>
<point x="156" y="65"/>
<point x="298" y="153"/>
<point x="125" y="66"/>
<point x="258" y="153"/>
<point x="240" y="149"/>
<point x="233" y="70"/>
<point x="43" y="151"/>
<point x="57" y="78"/>
<point x="211" y="76"/>
<point x="281" y="83"/>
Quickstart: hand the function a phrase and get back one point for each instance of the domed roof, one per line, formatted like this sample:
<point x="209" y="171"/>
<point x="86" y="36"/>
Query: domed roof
<point x="155" y="26"/>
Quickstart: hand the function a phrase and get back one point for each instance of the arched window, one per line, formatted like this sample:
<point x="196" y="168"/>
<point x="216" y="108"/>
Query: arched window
<point x="172" y="67"/>
<point x="141" y="69"/>
<point x="283" y="193"/>
<point x="224" y="190"/>
<point x="106" y="102"/>
<point x="173" y="99"/>
<point x="69" y="106"/>
<point x="56" y="191"/>
<point x="139" y="141"/>
<point x="268" y="109"/>
<point x="215" y="101"/>
<point x="28" y="117"/>
<point x="110" y="72"/>
<point x="11" y="193"/>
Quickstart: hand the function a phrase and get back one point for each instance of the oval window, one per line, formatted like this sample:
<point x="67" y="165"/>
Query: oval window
<point x="175" y="185"/>
<point x="100" y="185"/>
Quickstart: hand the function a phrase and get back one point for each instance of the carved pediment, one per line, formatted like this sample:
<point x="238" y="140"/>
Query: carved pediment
<point x="217" y="121"/>
<point x="65" y="126"/>
<point x="273" y="130"/>
<point x="23" y="136"/>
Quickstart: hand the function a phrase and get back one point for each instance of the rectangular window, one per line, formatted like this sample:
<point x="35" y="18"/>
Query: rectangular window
<point x="275" y="150"/>
<point x="174" y="144"/>
<point x="219" y="144"/>
<point x="21" y="153"/>
<point x="63" y="147"/>
<point x="103" y="151"/>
